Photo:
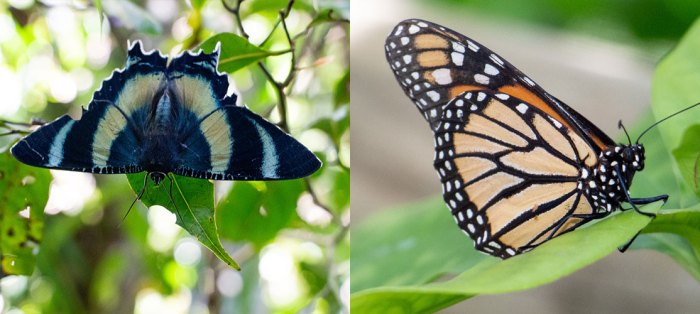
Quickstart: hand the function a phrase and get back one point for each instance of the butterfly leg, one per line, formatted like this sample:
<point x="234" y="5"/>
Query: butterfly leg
<point x="635" y="201"/>
<point x="138" y="197"/>
<point x="642" y="201"/>
<point x="592" y="216"/>
<point x="170" y="194"/>
<point x="624" y="248"/>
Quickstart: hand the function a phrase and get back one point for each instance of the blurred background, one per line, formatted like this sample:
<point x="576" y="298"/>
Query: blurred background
<point x="290" y="237"/>
<point x="597" y="56"/>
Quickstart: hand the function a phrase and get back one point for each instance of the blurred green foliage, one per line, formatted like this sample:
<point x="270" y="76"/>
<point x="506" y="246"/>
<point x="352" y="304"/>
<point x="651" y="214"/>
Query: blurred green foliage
<point x="287" y="60"/>
<point x="620" y="20"/>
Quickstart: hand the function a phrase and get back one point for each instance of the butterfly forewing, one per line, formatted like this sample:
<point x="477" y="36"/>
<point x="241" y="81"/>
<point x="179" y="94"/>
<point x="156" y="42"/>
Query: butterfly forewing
<point x="108" y="137"/>
<point x="434" y="64"/>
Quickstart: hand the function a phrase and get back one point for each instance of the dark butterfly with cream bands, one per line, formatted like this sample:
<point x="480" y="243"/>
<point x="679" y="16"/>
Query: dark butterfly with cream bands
<point x="168" y="117"/>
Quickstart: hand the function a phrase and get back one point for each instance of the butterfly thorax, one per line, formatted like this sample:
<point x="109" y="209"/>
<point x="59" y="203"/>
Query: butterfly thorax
<point x="602" y="183"/>
<point x="159" y="147"/>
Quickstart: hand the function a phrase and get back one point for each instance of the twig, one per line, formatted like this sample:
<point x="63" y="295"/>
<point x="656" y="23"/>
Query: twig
<point x="331" y="285"/>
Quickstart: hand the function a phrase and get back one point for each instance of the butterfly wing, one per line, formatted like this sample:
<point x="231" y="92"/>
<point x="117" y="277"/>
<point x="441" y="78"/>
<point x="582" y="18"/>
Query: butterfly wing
<point x="222" y="141"/>
<point x="510" y="172"/>
<point x="108" y="136"/>
<point x="434" y="64"/>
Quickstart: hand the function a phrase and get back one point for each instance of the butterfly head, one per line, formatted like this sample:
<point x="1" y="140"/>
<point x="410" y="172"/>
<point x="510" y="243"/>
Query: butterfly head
<point x="633" y="155"/>
<point x="157" y="177"/>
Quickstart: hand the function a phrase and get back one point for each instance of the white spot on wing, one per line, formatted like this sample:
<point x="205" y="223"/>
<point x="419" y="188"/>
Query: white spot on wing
<point x="490" y="69"/>
<point x="457" y="58"/>
<point x="433" y="95"/>
<point x="442" y="76"/>
<point x="472" y="46"/>
<point x="522" y="108"/>
<point x="481" y="79"/>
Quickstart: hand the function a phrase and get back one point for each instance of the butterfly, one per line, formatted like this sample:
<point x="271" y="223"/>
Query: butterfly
<point x="518" y="167"/>
<point x="168" y="117"/>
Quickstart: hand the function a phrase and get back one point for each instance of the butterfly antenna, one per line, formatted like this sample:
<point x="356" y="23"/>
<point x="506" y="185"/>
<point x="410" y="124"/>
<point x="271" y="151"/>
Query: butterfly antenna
<point x="666" y="118"/>
<point x="170" y="194"/>
<point x="138" y="197"/>
<point x="622" y="126"/>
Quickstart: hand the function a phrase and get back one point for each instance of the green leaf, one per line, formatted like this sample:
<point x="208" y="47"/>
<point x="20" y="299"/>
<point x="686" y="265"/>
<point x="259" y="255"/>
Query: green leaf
<point x="675" y="87"/>
<point x="398" y="247"/>
<point x="274" y="6"/>
<point x="21" y="187"/>
<point x="688" y="157"/>
<point x="236" y="51"/>
<point x="326" y="15"/>
<point x="341" y="93"/>
<point x="194" y="207"/>
<point x="333" y="186"/>
<point x="100" y="10"/>
<point x="197" y="4"/>
<point x="549" y="262"/>
<point x="132" y="16"/>
<point x="674" y="246"/>
<point x="257" y="211"/>
<point x="676" y="233"/>
<point x="335" y="126"/>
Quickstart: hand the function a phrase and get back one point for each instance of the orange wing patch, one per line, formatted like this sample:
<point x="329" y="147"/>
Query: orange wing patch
<point x="433" y="58"/>
<point x="430" y="41"/>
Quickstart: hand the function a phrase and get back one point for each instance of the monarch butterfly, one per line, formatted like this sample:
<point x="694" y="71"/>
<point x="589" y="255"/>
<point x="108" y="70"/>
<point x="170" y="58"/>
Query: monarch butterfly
<point x="518" y="167"/>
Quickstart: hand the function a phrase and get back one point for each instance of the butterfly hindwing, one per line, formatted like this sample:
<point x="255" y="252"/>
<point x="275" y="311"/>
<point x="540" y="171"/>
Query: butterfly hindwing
<point x="250" y="148"/>
<point x="510" y="172"/>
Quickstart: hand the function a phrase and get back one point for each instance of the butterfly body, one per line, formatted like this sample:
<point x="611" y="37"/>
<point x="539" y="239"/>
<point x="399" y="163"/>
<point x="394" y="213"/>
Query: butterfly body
<point x="518" y="167"/>
<point x="168" y="117"/>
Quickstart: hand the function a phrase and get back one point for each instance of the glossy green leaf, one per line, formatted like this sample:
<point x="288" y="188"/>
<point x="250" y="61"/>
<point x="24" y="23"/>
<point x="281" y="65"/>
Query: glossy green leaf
<point x="236" y="51"/>
<point x="132" y="16"/>
<point x="192" y="202"/>
<point x="257" y="211"/>
<point x="21" y="187"/>
<point x="549" y="262"/>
